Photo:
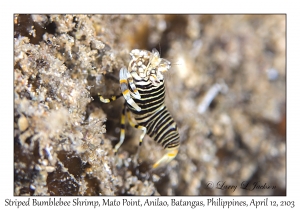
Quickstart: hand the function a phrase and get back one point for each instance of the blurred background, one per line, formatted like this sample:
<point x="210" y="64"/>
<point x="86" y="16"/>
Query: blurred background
<point x="226" y="90"/>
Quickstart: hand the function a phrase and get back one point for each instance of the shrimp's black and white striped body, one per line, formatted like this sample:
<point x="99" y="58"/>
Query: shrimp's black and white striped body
<point x="142" y="86"/>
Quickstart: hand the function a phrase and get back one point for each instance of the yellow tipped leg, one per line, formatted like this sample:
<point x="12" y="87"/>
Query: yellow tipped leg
<point x="170" y="155"/>
<point x="122" y="133"/>
<point x="108" y="100"/>
<point x="144" y="129"/>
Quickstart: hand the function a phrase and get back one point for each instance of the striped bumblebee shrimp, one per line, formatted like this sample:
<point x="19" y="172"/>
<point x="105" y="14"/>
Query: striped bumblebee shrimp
<point x="142" y="86"/>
